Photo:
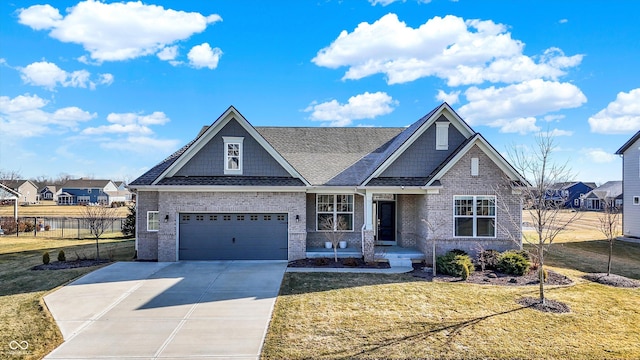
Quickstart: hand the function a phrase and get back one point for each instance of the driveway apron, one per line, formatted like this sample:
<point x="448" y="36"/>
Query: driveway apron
<point x="199" y="309"/>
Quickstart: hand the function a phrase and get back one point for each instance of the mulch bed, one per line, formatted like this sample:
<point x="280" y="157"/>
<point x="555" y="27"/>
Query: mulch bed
<point x="59" y="265"/>
<point x="613" y="280"/>
<point x="490" y="277"/>
<point x="551" y="306"/>
<point x="342" y="263"/>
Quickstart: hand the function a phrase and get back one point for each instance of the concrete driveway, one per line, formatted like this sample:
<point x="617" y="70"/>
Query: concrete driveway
<point x="204" y="309"/>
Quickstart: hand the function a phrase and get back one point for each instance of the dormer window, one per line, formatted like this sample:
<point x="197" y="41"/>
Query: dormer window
<point x="442" y="135"/>
<point x="232" y="155"/>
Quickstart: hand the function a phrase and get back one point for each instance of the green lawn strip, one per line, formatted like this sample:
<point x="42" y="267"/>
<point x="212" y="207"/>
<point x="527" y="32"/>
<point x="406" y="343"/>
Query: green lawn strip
<point x="591" y="256"/>
<point x="22" y="313"/>
<point x="394" y="316"/>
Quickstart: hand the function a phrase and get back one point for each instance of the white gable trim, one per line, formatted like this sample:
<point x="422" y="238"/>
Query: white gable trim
<point x="488" y="150"/>
<point x="208" y="135"/>
<point x="443" y="109"/>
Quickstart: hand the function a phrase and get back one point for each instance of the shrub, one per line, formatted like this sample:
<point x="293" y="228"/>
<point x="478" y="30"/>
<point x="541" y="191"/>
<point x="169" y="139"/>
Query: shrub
<point x="488" y="259"/>
<point x="47" y="227"/>
<point x="455" y="264"/>
<point x="8" y="225"/>
<point x="514" y="263"/>
<point x="458" y="252"/>
<point x="45" y="258"/>
<point x="61" y="256"/>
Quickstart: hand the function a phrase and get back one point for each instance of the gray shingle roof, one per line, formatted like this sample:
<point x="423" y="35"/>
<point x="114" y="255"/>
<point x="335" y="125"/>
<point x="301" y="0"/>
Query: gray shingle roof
<point x="321" y="153"/>
<point x="628" y="144"/>
<point x="85" y="184"/>
<point x="150" y="176"/>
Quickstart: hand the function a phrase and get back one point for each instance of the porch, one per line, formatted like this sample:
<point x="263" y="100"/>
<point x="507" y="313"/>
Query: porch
<point x="383" y="253"/>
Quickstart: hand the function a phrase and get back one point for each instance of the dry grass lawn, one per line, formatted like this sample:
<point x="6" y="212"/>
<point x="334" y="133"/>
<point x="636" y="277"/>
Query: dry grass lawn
<point x="22" y="313"/>
<point x="345" y="316"/>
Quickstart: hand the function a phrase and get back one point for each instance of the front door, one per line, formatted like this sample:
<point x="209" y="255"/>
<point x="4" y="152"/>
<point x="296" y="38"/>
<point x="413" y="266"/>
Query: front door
<point x="386" y="219"/>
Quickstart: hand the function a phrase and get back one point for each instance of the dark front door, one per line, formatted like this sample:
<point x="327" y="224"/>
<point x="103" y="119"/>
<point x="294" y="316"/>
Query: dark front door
<point x="386" y="221"/>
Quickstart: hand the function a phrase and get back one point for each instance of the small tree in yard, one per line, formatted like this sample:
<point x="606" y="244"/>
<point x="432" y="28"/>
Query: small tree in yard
<point x="334" y="232"/>
<point x="435" y="224"/>
<point x="609" y="226"/>
<point x="542" y="202"/>
<point x="129" y="226"/>
<point x="98" y="219"/>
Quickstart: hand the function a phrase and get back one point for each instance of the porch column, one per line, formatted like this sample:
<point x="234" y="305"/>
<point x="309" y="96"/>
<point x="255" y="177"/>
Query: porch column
<point x="368" y="250"/>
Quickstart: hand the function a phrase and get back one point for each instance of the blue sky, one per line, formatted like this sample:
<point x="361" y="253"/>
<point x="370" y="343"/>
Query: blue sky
<point x="108" y="89"/>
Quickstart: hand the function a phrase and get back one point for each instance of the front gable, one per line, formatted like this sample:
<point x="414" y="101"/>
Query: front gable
<point x="422" y="156"/>
<point x="206" y="157"/>
<point x="421" y="148"/>
<point x="210" y="160"/>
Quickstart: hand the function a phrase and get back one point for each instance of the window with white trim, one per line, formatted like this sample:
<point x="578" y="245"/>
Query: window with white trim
<point x="153" y="221"/>
<point x="232" y="155"/>
<point x="474" y="216"/>
<point x="336" y="210"/>
<point x="576" y="202"/>
<point x="636" y="200"/>
<point x="442" y="135"/>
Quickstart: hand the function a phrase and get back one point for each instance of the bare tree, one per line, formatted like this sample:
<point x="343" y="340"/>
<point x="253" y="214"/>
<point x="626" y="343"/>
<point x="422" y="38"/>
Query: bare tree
<point x="610" y="227"/>
<point x="10" y="175"/>
<point x="98" y="219"/>
<point x="543" y="203"/>
<point x="334" y="232"/>
<point x="435" y="225"/>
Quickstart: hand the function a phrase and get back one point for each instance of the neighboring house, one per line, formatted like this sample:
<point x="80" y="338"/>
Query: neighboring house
<point x="8" y="195"/>
<point x="569" y="193"/>
<point x="49" y="192"/>
<point x="630" y="152"/>
<point x="86" y="191"/>
<point x="244" y="192"/>
<point x="122" y="194"/>
<point x="607" y="193"/>
<point x="27" y="189"/>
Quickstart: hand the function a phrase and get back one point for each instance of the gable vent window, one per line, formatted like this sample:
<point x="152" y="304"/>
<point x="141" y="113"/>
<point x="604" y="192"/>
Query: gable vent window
<point x="475" y="166"/>
<point x="232" y="155"/>
<point x="442" y="135"/>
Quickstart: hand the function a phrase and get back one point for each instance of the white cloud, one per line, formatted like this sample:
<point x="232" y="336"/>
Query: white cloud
<point x="497" y="106"/>
<point x="129" y="123"/>
<point x="362" y="106"/>
<point x="461" y="51"/>
<point x="168" y="53"/>
<point x="106" y="79"/>
<point x="553" y="117"/>
<point x="204" y="56"/>
<point x="557" y="132"/>
<point x="141" y="145"/>
<point x="116" y="31"/>
<point x="450" y="98"/>
<point x="49" y="75"/>
<point x="621" y="116"/>
<point x="599" y="156"/>
<point x="388" y="2"/>
<point x="521" y="125"/>
<point x="24" y="116"/>
<point x="563" y="21"/>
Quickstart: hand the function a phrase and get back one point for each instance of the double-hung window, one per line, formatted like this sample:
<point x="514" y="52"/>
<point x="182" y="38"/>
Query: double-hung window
<point x="153" y="221"/>
<point x="334" y="211"/>
<point x="232" y="155"/>
<point x="474" y="216"/>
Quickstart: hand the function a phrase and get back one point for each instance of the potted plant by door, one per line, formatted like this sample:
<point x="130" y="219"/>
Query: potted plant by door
<point x="327" y="245"/>
<point x="343" y="244"/>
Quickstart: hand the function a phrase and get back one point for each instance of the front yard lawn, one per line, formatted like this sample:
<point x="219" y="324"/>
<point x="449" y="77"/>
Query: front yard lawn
<point x="23" y="317"/>
<point x="344" y="316"/>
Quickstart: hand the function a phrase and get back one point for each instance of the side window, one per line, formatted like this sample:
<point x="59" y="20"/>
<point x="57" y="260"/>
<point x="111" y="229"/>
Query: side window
<point x="153" y="222"/>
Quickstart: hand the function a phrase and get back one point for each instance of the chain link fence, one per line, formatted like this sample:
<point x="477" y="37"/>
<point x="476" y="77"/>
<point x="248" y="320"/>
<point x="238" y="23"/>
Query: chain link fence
<point x="54" y="227"/>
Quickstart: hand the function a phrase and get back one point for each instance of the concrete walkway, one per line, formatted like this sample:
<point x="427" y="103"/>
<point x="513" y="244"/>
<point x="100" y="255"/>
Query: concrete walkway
<point x="203" y="310"/>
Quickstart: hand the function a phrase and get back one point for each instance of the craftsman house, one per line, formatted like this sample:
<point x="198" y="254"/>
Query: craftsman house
<point x="243" y="192"/>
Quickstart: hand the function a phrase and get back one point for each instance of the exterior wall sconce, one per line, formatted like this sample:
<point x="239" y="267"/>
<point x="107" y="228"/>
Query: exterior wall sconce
<point x="297" y="218"/>
<point x="166" y="218"/>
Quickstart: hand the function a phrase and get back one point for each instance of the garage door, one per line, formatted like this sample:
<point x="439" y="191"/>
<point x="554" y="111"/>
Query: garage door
<point x="233" y="237"/>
